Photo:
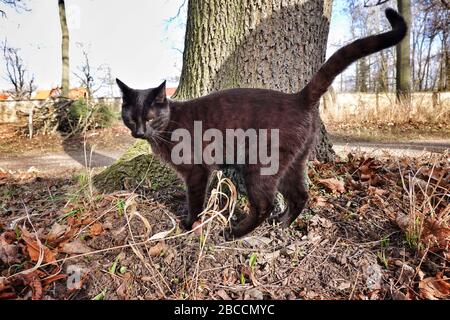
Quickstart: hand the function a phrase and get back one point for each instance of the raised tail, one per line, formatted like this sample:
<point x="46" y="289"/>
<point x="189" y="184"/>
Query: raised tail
<point x="345" y="56"/>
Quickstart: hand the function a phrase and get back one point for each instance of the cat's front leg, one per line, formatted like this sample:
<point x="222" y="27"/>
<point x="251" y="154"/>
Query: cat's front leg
<point x="196" y="182"/>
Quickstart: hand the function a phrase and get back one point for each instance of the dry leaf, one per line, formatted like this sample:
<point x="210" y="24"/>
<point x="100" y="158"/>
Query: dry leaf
<point x="221" y="293"/>
<point x="96" y="229"/>
<point x="434" y="288"/>
<point x="34" y="249"/>
<point x="376" y="191"/>
<point x="197" y="231"/>
<point x="122" y="290"/>
<point x="75" y="247"/>
<point x="157" y="249"/>
<point x="8" y="250"/>
<point x="333" y="184"/>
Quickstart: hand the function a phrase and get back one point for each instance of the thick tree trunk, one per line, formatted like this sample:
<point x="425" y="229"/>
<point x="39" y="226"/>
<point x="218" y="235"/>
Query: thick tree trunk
<point x="403" y="57"/>
<point x="65" y="81"/>
<point x="277" y="44"/>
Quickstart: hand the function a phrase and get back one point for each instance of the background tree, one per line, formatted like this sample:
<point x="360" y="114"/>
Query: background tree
<point x="92" y="78"/>
<point x="65" y="81"/>
<point x="254" y="44"/>
<point x="17" y="73"/>
<point x="403" y="56"/>
<point x="15" y="4"/>
<point x="242" y="43"/>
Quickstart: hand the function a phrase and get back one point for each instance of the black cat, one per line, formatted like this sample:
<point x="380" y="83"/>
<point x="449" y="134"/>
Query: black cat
<point x="151" y="116"/>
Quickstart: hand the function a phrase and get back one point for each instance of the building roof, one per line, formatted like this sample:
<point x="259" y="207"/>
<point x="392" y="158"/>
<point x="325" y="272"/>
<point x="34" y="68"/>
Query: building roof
<point x="170" y="91"/>
<point x="4" y="96"/>
<point x="74" y="93"/>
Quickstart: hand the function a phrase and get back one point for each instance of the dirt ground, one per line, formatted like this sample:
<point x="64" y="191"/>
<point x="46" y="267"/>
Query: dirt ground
<point x="52" y="153"/>
<point x="374" y="228"/>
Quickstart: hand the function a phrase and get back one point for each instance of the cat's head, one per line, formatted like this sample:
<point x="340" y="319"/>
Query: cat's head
<point x="145" y="112"/>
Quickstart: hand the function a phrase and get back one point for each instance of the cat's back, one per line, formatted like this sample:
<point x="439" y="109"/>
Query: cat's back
<point x="248" y="95"/>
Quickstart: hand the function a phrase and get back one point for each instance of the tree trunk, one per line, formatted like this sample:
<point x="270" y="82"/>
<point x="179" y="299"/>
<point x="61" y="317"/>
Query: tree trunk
<point x="277" y="44"/>
<point x="259" y="44"/>
<point x="403" y="57"/>
<point x="65" y="84"/>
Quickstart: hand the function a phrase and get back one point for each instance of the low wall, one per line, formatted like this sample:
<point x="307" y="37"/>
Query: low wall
<point x="9" y="109"/>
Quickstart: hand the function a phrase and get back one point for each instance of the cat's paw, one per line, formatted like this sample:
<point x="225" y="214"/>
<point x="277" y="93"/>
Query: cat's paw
<point x="186" y="224"/>
<point x="227" y="234"/>
<point x="283" y="220"/>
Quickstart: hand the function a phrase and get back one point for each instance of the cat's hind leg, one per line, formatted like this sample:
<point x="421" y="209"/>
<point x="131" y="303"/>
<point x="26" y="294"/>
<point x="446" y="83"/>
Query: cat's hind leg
<point x="293" y="188"/>
<point x="260" y="192"/>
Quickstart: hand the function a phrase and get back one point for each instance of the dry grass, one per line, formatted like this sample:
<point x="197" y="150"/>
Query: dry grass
<point x="383" y="108"/>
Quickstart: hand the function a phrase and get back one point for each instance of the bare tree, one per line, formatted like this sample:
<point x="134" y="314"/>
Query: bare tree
<point x="93" y="78"/>
<point x="15" y="4"/>
<point x="65" y="81"/>
<point x="16" y="73"/>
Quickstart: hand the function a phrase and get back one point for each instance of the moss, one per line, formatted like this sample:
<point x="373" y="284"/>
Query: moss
<point x="137" y="167"/>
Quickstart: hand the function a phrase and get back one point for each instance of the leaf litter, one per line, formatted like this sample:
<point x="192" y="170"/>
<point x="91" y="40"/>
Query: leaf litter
<point x="375" y="228"/>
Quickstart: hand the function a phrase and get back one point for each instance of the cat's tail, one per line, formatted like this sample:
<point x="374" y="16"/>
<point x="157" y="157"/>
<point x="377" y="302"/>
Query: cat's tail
<point x="349" y="54"/>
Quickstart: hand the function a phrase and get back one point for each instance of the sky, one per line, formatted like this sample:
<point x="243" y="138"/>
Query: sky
<point x="137" y="39"/>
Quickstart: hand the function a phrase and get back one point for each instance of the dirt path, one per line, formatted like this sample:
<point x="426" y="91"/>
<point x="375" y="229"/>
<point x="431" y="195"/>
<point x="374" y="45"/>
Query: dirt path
<point x="414" y="148"/>
<point x="75" y="159"/>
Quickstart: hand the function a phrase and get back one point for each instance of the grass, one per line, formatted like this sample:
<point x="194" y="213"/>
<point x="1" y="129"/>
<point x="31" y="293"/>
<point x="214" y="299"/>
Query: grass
<point x="367" y="108"/>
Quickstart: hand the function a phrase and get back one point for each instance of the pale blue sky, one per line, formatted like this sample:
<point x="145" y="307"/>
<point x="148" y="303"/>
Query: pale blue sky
<point x="133" y="37"/>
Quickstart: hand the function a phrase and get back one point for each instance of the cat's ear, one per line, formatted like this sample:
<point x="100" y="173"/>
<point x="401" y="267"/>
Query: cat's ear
<point x="124" y="88"/>
<point x="161" y="93"/>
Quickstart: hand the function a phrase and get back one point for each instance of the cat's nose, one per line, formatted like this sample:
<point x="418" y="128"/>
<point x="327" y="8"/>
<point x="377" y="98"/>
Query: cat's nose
<point x="139" y="134"/>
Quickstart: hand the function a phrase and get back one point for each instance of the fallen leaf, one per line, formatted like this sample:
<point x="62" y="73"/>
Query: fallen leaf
<point x="75" y="247"/>
<point x="157" y="249"/>
<point x="34" y="248"/>
<point x="122" y="290"/>
<point x="52" y="279"/>
<point x="436" y="235"/>
<point x="197" y="231"/>
<point x="221" y="293"/>
<point x="333" y="184"/>
<point x="376" y="191"/>
<point x="434" y="288"/>
<point x="96" y="229"/>
<point x="8" y="250"/>
<point x="56" y="232"/>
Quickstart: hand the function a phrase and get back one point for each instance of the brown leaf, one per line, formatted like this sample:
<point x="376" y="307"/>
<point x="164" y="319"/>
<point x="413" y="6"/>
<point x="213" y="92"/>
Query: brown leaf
<point x="434" y="288"/>
<point x="75" y="247"/>
<point x="52" y="279"/>
<point x="8" y="250"/>
<point x="436" y="234"/>
<point x="221" y="293"/>
<point x="197" y="231"/>
<point x="320" y="201"/>
<point x="376" y="191"/>
<point x="57" y="231"/>
<point x="96" y="229"/>
<point x="333" y="184"/>
<point x="157" y="249"/>
<point x="123" y="288"/>
<point x="34" y="248"/>
<point x="32" y="281"/>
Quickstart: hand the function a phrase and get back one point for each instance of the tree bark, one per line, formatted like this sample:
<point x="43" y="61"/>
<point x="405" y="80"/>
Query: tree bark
<point x="65" y="81"/>
<point x="277" y="44"/>
<point x="403" y="57"/>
